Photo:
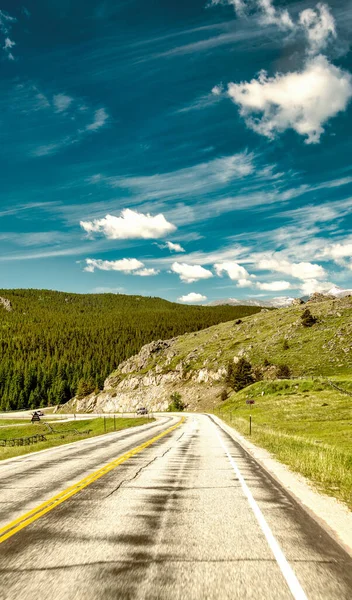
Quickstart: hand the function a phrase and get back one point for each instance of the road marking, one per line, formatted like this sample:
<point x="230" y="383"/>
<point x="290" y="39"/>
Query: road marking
<point x="24" y="520"/>
<point x="287" y="571"/>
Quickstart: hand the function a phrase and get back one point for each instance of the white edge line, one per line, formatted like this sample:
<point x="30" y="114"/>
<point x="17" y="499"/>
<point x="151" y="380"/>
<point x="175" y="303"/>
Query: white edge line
<point x="287" y="571"/>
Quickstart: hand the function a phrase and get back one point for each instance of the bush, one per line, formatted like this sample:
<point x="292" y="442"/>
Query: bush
<point x="224" y="395"/>
<point x="283" y="372"/>
<point x="176" y="404"/>
<point x="307" y="318"/>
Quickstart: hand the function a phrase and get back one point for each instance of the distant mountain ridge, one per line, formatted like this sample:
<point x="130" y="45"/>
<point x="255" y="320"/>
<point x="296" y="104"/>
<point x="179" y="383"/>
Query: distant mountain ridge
<point x="278" y="302"/>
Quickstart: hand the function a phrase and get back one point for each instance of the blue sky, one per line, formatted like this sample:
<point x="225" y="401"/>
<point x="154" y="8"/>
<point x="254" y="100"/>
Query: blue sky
<point x="183" y="149"/>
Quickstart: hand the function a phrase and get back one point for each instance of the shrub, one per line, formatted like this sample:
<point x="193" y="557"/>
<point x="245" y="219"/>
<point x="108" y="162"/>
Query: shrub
<point x="307" y="318"/>
<point x="176" y="404"/>
<point x="224" y="395"/>
<point x="283" y="372"/>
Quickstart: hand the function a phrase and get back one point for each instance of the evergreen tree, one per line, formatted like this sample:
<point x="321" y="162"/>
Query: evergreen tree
<point x="241" y="375"/>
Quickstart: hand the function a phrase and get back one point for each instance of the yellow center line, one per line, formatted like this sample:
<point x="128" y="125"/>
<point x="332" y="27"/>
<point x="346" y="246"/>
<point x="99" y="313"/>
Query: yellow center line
<point x="24" y="520"/>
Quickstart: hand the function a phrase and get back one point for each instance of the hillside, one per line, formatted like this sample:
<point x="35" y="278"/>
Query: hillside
<point x="195" y="364"/>
<point x="52" y="342"/>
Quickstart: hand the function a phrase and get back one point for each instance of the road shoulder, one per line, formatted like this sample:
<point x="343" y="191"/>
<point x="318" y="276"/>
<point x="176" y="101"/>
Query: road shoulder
<point x="331" y="514"/>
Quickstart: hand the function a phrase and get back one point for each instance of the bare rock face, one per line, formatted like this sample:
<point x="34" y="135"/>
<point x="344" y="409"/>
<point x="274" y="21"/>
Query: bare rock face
<point x="297" y="302"/>
<point x="6" y="304"/>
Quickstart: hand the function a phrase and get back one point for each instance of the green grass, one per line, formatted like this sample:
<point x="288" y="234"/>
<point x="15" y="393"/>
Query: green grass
<point x="63" y="433"/>
<point x="305" y="424"/>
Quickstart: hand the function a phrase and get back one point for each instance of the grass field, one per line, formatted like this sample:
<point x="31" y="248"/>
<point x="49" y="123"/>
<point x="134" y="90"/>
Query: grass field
<point x="306" y="424"/>
<point x="63" y="433"/>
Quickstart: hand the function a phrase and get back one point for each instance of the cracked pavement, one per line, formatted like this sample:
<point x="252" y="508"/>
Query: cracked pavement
<point x="171" y="522"/>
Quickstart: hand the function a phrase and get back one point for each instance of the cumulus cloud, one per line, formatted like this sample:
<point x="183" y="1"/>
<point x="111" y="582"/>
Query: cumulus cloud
<point x="274" y="286"/>
<point x="303" y="101"/>
<point x="100" y="118"/>
<point x="235" y="271"/>
<point x="174" y="247"/>
<point x="302" y="270"/>
<point x="319" y="26"/>
<point x="192" y="297"/>
<point x="126" y="265"/>
<point x="338" y="252"/>
<point x="147" y="272"/>
<point x="61" y="102"/>
<point x="313" y="285"/>
<point x="130" y="225"/>
<point x="190" y="273"/>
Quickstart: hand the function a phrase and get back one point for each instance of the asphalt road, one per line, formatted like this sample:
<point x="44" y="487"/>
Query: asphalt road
<point x="191" y="516"/>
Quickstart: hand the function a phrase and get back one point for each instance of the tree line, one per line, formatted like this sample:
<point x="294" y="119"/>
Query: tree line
<point x="53" y="344"/>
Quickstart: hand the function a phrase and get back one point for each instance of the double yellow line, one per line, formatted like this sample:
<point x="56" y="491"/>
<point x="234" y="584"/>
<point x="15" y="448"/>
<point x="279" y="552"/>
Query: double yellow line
<point x="23" y="521"/>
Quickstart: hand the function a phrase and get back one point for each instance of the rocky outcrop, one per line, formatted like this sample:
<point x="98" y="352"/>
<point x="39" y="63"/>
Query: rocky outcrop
<point x="6" y="304"/>
<point x="318" y="297"/>
<point x="195" y="364"/>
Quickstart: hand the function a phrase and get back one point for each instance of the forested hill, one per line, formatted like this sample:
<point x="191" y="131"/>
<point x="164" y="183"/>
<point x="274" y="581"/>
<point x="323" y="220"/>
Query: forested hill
<point x="52" y="343"/>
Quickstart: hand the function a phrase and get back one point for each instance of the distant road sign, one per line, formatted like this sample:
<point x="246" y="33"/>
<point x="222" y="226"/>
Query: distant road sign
<point x="250" y="402"/>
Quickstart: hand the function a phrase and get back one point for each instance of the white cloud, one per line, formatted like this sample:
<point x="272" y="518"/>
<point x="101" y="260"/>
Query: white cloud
<point x="337" y="251"/>
<point x="302" y="270"/>
<point x="199" y="179"/>
<point x="274" y="286"/>
<point x="312" y="285"/>
<point x="303" y="101"/>
<point x="100" y="118"/>
<point x="217" y="90"/>
<point x="127" y="265"/>
<point x="272" y="16"/>
<point x="235" y="271"/>
<point x="147" y="272"/>
<point x="319" y="26"/>
<point x="190" y="273"/>
<point x="192" y="297"/>
<point x="61" y="102"/>
<point x="174" y="247"/>
<point x="6" y="22"/>
<point x="9" y="44"/>
<point x="130" y="225"/>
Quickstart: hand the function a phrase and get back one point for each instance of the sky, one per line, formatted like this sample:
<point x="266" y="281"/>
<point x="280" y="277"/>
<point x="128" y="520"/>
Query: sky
<point x="190" y="149"/>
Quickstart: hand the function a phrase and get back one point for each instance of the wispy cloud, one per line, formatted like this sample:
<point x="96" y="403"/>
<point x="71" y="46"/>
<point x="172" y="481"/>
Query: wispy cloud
<point x="62" y="102"/>
<point x="100" y="118"/>
<point x="6" y="22"/>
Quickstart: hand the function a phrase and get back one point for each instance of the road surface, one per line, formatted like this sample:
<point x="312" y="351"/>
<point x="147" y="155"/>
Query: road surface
<point x="191" y="516"/>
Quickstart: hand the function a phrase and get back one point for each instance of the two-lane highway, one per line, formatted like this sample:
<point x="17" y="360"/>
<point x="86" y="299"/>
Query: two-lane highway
<point x="189" y="516"/>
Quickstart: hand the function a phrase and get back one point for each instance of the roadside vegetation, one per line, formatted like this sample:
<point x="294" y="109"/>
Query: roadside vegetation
<point x="57" y="434"/>
<point x="176" y="404"/>
<point x="53" y="344"/>
<point x="304" y="423"/>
